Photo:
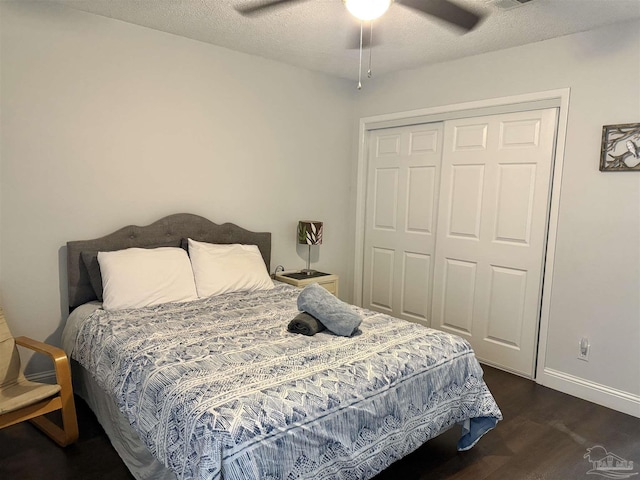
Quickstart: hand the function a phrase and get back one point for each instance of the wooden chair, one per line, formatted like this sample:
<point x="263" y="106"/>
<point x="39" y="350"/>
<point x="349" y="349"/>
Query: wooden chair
<point x="21" y="399"/>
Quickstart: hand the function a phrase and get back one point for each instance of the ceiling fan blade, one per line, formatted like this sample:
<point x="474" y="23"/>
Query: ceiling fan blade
<point x="368" y="40"/>
<point x="445" y="10"/>
<point x="263" y="6"/>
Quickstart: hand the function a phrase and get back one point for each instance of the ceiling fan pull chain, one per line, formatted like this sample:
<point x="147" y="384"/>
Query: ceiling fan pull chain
<point x="360" y="68"/>
<point x="370" y="47"/>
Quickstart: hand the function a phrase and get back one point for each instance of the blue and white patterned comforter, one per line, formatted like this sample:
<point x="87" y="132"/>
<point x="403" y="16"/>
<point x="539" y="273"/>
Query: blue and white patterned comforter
<point x="218" y="389"/>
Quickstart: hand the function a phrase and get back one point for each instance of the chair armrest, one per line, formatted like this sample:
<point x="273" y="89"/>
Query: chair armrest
<point x="55" y="353"/>
<point x="59" y="357"/>
<point x="69" y="433"/>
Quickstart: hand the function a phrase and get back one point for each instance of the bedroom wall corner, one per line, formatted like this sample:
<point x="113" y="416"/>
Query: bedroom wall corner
<point x="106" y="124"/>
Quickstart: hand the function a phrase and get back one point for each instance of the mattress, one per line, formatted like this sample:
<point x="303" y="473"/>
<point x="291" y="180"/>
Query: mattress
<point x="218" y="388"/>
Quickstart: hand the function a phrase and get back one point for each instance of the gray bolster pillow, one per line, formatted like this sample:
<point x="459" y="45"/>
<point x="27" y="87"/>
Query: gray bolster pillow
<point x="339" y="317"/>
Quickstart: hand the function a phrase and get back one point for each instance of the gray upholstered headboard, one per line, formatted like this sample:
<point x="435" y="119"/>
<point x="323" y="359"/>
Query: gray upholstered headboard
<point x="166" y="232"/>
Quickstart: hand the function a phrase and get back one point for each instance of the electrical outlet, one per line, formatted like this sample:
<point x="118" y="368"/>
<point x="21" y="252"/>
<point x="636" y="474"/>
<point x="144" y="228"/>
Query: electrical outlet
<point x="583" y="349"/>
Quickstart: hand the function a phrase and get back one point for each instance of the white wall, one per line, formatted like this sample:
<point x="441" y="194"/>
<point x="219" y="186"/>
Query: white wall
<point x="106" y="124"/>
<point x="596" y="277"/>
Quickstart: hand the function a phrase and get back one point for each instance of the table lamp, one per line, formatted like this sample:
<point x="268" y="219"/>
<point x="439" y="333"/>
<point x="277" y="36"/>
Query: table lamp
<point x="309" y="233"/>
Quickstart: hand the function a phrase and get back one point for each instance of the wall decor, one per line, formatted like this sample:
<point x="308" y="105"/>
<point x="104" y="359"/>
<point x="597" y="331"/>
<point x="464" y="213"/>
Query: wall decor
<point x="620" y="148"/>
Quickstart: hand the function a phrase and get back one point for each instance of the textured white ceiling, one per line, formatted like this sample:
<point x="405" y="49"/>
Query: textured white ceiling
<point x="313" y="34"/>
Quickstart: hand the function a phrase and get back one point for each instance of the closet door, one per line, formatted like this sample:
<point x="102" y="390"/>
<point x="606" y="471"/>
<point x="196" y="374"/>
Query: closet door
<point x="491" y="234"/>
<point x="400" y="219"/>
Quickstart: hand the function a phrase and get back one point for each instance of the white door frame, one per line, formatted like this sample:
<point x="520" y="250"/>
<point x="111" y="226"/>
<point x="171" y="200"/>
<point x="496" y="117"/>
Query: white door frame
<point x="552" y="98"/>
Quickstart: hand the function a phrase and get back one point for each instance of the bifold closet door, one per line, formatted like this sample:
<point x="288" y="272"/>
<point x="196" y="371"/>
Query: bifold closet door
<point x="491" y="233"/>
<point x="400" y="218"/>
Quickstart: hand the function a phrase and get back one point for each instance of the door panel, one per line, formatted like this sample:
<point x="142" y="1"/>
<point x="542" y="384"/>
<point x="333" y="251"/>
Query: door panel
<point x="385" y="205"/>
<point x="506" y="306"/>
<point x="400" y="220"/>
<point x="465" y="201"/>
<point x="416" y="282"/>
<point x="382" y="272"/>
<point x="458" y="291"/>
<point x="514" y="210"/>
<point x="491" y="233"/>
<point x="420" y="201"/>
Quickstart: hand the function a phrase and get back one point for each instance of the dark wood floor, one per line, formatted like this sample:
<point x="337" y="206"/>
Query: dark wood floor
<point x="544" y="436"/>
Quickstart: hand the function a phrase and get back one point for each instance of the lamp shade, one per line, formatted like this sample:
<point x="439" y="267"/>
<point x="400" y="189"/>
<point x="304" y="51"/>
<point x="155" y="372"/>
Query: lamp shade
<point x="309" y="232"/>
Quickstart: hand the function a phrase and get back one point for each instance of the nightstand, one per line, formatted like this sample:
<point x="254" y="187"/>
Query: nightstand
<point x="300" y="280"/>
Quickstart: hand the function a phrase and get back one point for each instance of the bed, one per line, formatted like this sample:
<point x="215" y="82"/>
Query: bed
<point x="217" y="388"/>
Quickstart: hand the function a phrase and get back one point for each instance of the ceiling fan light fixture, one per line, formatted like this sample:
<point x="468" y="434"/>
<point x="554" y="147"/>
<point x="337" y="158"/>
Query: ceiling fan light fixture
<point x="367" y="10"/>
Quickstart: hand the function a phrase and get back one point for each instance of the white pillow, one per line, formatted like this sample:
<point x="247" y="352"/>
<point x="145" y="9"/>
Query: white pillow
<point x="140" y="277"/>
<point x="227" y="268"/>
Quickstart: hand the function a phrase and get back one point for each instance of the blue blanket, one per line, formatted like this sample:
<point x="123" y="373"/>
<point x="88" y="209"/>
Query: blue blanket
<point x="219" y="389"/>
<point x="339" y="317"/>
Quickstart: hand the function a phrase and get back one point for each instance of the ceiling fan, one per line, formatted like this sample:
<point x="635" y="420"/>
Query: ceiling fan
<point x="370" y="10"/>
<point x="367" y="10"/>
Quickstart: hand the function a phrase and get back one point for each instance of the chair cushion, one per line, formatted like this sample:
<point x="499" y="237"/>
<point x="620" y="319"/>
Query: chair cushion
<point x="15" y="390"/>
<point x="24" y="393"/>
<point x="9" y="358"/>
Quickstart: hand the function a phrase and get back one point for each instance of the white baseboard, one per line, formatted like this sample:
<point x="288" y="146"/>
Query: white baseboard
<point x="43" y="377"/>
<point x="619" y="400"/>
